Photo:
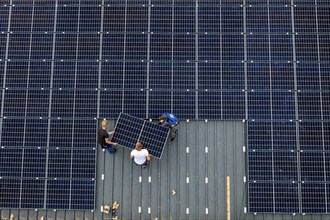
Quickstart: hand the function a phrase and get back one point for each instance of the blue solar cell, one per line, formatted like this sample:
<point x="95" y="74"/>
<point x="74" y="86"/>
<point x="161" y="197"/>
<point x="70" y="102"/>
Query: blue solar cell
<point x="19" y="46"/>
<point x="324" y="42"/>
<point x="14" y="103"/>
<point x="159" y="102"/>
<point x="83" y="163"/>
<point x="33" y="193"/>
<point x="111" y="103"/>
<point x="310" y="136"/>
<point x="259" y="135"/>
<point x="35" y="133"/>
<point x="64" y="74"/>
<point x="313" y="196"/>
<point x="161" y="47"/>
<point x="161" y="18"/>
<point x="184" y="19"/>
<point x="284" y="136"/>
<point x="90" y="18"/>
<point x="87" y="75"/>
<point x="62" y="103"/>
<point x="11" y="162"/>
<point x="3" y="41"/>
<point x="34" y="161"/>
<point x="260" y="166"/>
<point x="184" y="47"/>
<point x="41" y="47"/>
<point x="66" y="46"/>
<point x="37" y="103"/>
<point x="113" y="47"/>
<point x="154" y="137"/>
<point x="10" y="193"/>
<point x="114" y="17"/>
<point x="305" y="19"/>
<point x="67" y="18"/>
<point x="323" y="17"/>
<point x="83" y="194"/>
<point x="259" y="105"/>
<point x="281" y="48"/>
<point x="21" y="19"/>
<point x="326" y="105"/>
<point x="285" y="166"/>
<point x="43" y="19"/>
<point x="160" y="76"/>
<point x="306" y="48"/>
<point x="59" y="163"/>
<point x="135" y="103"/>
<point x="112" y="76"/>
<point x="232" y="48"/>
<point x="16" y="74"/>
<point x="325" y="76"/>
<point x="253" y="45"/>
<point x="280" y="99"/>
<point x="280" y="20"/>
<point x="233" y="105"/>
<point x="184" y="103"/>
<point x="211" y="76"/>
<point x="137" y="18"/>
<point x="136" y="47"/>
<point x="89" y="47"/>
<point x="127" y="130"/>
<point x="135" y="77"/>
<point x="58" y="194"/>
<point x="39" y="75"/>
<point x="232" y="18"/>
<point x="10" y="129"/>
<point x="61" y="133"/>
<point x="85" y="104"/>
<point x="209" y="47"/>
<point x="258" y="76"/>
<point x="209" y="17"/>
<point x="312" y="166"/>
<point x="282" y="76"/>
<point x="4" y="14"/>
<point x="309" y="106"/>
<point x="84" y="137"/>
<point x="232" y="76"/>
<point x="257" y="21"/>
<point x="182" y="76"/>
<point x="2" y="67"/>
<point x="286" y="197"/>
<point x="261" y="197"/>
<point x="210" y="104"/>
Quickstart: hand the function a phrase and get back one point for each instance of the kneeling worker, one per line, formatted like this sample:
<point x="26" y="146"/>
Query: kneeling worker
<point x="141" y="156"/>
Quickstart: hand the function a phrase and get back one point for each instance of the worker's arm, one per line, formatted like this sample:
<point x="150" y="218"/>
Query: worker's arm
<point x="131" y="156"/>
<point x="109" y="142"/>
<point x="149" y="157"/>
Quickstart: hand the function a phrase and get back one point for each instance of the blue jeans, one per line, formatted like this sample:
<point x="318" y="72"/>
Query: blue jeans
<point x="111" y="149"/>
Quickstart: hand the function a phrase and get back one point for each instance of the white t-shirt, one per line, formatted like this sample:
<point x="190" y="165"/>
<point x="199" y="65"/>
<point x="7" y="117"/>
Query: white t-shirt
<point x="140" y="156"/>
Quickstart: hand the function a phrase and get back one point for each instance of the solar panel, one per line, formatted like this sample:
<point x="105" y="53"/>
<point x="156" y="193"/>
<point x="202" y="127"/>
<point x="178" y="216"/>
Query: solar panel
<point x="266" y="62"/>
<point x="130" y="129"/>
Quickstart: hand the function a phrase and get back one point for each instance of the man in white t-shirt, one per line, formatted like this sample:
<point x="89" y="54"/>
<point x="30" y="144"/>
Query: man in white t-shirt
<point x="141" y="156"/>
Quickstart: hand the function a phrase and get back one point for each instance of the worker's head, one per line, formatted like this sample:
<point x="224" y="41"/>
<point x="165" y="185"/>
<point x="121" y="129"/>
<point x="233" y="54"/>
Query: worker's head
<point x="104" y="123"/>
<point x="138" y="146"/>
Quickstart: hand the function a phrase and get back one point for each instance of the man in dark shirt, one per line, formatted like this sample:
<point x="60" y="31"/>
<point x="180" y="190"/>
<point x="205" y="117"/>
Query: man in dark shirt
<point x="103" y="138"/>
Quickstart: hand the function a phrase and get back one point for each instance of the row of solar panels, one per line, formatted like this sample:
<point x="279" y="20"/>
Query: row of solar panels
<point x="47" y="194"/>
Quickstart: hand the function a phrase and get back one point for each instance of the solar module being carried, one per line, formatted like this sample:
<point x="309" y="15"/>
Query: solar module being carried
<point x="130" y="129"/>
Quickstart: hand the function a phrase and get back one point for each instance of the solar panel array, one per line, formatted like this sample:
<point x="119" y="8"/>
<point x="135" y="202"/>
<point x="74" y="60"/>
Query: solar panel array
<point x="264" y="61"/>
<point x="129" y="130"/>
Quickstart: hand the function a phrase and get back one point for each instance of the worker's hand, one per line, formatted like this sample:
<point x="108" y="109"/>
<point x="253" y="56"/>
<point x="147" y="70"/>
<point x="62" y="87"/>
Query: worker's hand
<point x="111" y="132"/>
<point x="115" y="144"/>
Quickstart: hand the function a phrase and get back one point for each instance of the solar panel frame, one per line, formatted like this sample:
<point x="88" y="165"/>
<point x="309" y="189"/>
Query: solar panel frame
<point x="129" y="130"/>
